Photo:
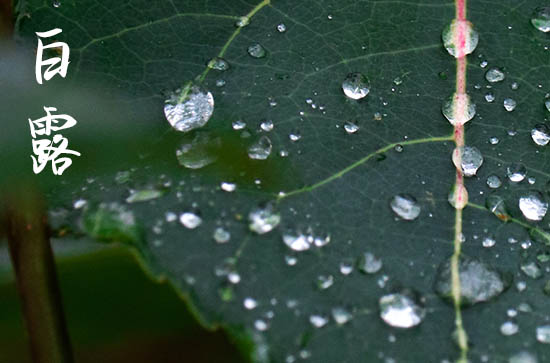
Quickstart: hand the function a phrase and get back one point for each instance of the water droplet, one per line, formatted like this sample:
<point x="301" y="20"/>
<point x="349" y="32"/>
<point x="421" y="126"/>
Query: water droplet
<point x="318" y="321"/>
<point x="489" y="97"/>
<point x="324" y="282"/>
<point x="291" y="260"/>
<point x="547" y="105"/>
<point x="198" y="153"/>
<point x="493" y="181"/>
<point x="531" y="269"/>
<point x="190" y="220"/>
<point x="221" y="235"/>
<point x="238" y="125"/>
<point x="543" y="334"/>
<point x="266" y="125"/>
<point x="509" y="328"/>
<point x="263" y="219"/>
<point x="398" y="148"/>
<point x="242" y="22"/>
<point x="493" y="140"/>
<point x="401" y="311"/>
<point x="296" y="240"/>
<point x="523" y="357"/>
<point x="356" y="86"/>
<point x="111" y="222"/>
<point x="341" y="315"/>
<point x="261" y="149"/>
<point x="509" y="104"/>
<point x="220" y="83"/>
<point x="494" y="75"/>
<point x="351" y="127"/>
<point x="250" y="303"/>
<point x="228" y="187"/>
<point x="368" y="263"/>
<point x="218" y="64"/>
<point x="346" y="267"/>
<point x="488" y="242"/>
<point x="458" y="196"/>
<point x="541" y="19"/>
<point x="56" y="3"/>
<point x="540" y="134"/>
<point x="516" y="172"/>
<point x="458" y="109"/>
<point x="478" y="281"/>
<point x="469" y="158"/>
<point x="281" y="28"/>
<point x="261" y="325"/>
<point x="256" y="50"/>
<point x="80" y="203"/>
<point x="295" y="136"/>
<point x="533" y="205"/>
<point x="189" y="108"/>
<point x="496" y="205"/>
<point x="450" y="37"/>
<point x="405" y="206"/>
<point x="143" y="195"/>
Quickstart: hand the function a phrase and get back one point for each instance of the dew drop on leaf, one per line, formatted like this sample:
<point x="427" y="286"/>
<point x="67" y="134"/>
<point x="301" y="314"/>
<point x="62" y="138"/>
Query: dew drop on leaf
<point x="266" y="125"/>
<point x="281" y="28"/>
<point x="533" y="205"/>
<point x="228" y="187"/>
<point x="470" y="159"/>
<point x="356" y="86"/>
<point x="250" y="303"/>
<point x="238" y="125"/>
<point x="509" y="104"/>
<point x="496" y="205"/>
<point x="189" y="108"/>
<point x="242" y="22"/>
<point x="351" y="127"/>
<point x="489" y="97"/>
<point x="256" y="50"/>
<point x="509" y="328"/>
<point x="458" y="196"/>
<point x="190" y="220"/>
<point x="488" y="242"/>
<point x="368" y="263"/>
<point x="547" y="105"/>
<point x="494" y="75"/>
<point x="261" y="149"/>
<point x="493" y="181"/>
<point x="198" y="153"/>
<point x="318" y="321"/>
<point x="341" y="315"/>
<point x="143" y="195"/>
<point x="516" y="172"/>
<point x="221" y="235"/>
<point x="543" y="334"/>
<point x="478" y="281"/>
<point x="541" y="19"/>
<point x="523" y="357"/>
<point x="450" y="37"/>
<point x="531" y="269"/>
<point x="263" y="219"/>
<point x="405" y="206"/>
<point x="218" y="64"/>
<point x="540" y="134"/>
<point x="452" y="107"/>
<point x="56" y="3"/>
<point x="324" y="282"/>
<point x="401" y="311"/>
<point x="296" y="240"/>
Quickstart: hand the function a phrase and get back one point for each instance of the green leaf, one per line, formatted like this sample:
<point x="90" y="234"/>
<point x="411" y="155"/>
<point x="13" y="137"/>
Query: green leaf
<point x="333" y="186"/>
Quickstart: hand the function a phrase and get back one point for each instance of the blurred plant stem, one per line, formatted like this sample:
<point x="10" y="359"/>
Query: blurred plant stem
<point x="25" y="224"/>
<point x="6" y="19"/>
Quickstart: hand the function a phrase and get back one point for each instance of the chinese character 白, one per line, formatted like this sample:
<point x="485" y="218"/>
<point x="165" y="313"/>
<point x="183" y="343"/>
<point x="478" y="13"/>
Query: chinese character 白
<point x="51" y="62"/>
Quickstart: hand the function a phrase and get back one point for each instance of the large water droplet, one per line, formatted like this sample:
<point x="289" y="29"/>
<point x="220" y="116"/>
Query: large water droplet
<point x="533" y="205"/>
<point x="516" y="172"/>
<point x="256" y="50"/>
<point x="405" y="206"/>
<point x="469" y="158"/>
<point x="356" y="86"/>
<point x="458" y="109"/>
<point x="541" y="19"/>
<point x="263" y="219"/>
<point x="540" y="134"/>
<point x="450" y="37"/>
<point x="401" y="310"/>
<point x="494" y="75"/>
<point x="478" y="281"/>
<point x="189" y="108"/>
<point x="198" y="153"/>
<point x="261" y="149"/>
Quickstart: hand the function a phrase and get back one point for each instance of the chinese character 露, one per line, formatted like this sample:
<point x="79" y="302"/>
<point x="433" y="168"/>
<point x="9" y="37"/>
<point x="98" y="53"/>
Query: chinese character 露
<point x="51" y="62"/>
<point x="54" y="150"/>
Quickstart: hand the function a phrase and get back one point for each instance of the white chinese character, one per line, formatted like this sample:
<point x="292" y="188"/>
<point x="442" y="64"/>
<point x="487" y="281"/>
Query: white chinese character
<point x="47" y="150"/>
<point x="64" y="59"/>
<point x="48" y="123"/>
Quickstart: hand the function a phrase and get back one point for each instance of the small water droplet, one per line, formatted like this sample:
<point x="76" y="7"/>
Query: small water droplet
<point x="488" y="242"/>
<point x="509" y="328"/>
<point x="266" y="125"/>
<point x="238" y="125"/>
<point x="509" y="104"/>
<point x="318" y="321"/>
<point x="496" y="205"/>
<point x="458" y="197"/>
<point x="516" y="172"/>
<point x="296" y="240"/>
<point x="56" y="3"/>
<point x="144" y="195"/>
<point x="281" y="28"/>
<point x="261" y="149"/>
<point x="494" y="75"/>
<point x="250" y="303"/>
<point x="398" y="148"/>
<point x="468" y="159"/>
<point x="458" y="109"/>
<point x="533" y="205"/>
<point x="221" y="235"/>
<point x="543" y="334"/>
<point x="531" y="269"/>
<point x="263" y="219"/>
<point x="541" y="19"/>
<point x="489" y="97"/>
<point x="368" y="263"/>
<point x="218" y="64"/>
<point x="523" y="357"/>
<point x="401" y="311"/>
<point x="190" y="220"/>
<point x="242" y="22"/>
<point x="540" y="134"/>
<point x="351" y="127"/>
<point x="295" y="136"/>
<point x="324" y="282"/>
<point x="356" y="86"/>
<point x="405" y="206"/>
<point x="493" y="140"/>
<point x="228" y="187"/>
<point x="493" y="181"/>
<point x="450" y="38"/>
<point x="514" y="86"/>
<point x="341" y="315"/>
<point x="189" y="108"/>
<point x="256" y="50"/>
